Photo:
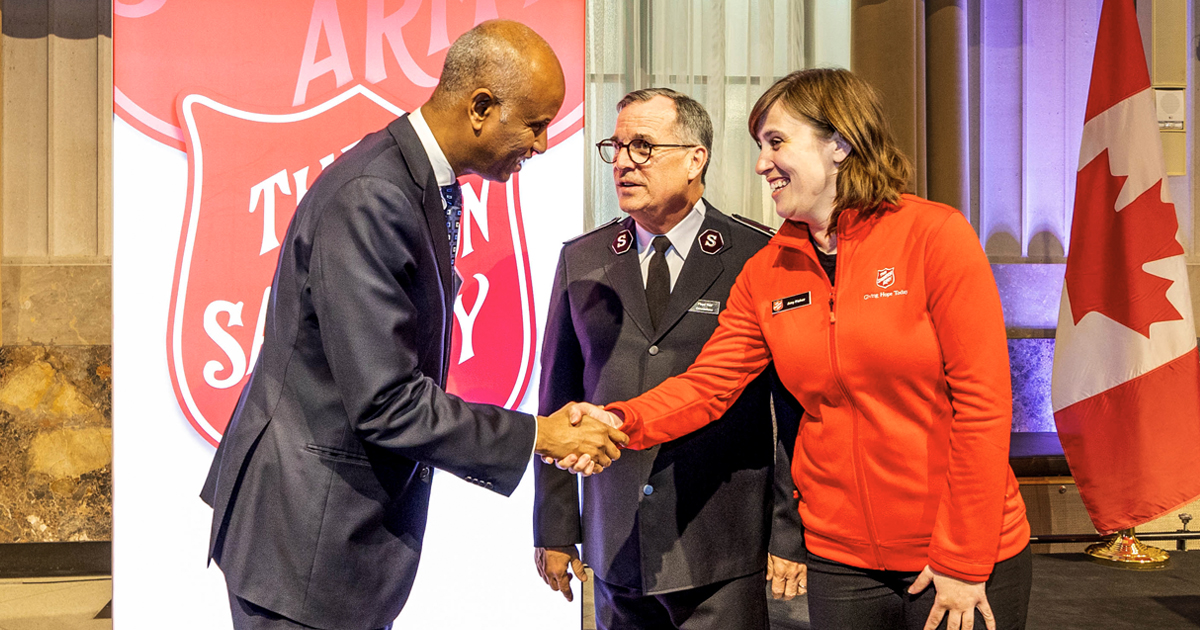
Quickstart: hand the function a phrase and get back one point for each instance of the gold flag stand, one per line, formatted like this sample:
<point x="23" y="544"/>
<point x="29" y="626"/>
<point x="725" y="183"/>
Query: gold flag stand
<point x="1124" y="550"/>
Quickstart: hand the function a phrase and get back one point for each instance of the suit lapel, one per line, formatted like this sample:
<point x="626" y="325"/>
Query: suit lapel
<point x="699" y="272"/>
<point x="625" y="276"/>
<point x="431" y="197"/>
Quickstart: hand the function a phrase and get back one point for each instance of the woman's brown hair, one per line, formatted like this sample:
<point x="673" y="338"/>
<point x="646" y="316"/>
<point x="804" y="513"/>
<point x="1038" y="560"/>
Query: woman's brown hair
<point x="832" y="100"/>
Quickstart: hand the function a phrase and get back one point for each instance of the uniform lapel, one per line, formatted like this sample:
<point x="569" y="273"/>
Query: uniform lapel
<point x="431" y="198"/>
<point x="699" y="272"/>
<point x="625" y="276"/>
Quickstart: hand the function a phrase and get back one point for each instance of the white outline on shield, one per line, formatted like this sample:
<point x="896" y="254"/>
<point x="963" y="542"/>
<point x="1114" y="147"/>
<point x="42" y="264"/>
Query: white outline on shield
<point x="197" y="187"/>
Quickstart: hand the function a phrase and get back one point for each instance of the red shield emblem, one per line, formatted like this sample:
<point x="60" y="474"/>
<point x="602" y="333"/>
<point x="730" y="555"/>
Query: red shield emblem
<point x="309" y="83"/>
<point x="885" y="277"/>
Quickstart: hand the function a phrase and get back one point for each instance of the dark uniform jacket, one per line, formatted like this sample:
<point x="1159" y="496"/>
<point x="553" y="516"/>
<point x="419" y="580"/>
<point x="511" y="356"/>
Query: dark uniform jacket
<point x="320" y="486"/>
<point x="687" y="513"/>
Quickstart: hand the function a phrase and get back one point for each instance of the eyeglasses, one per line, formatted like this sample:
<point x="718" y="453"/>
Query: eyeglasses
<point x="639" y="150"/>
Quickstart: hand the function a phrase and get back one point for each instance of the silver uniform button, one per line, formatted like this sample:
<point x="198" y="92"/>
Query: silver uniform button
<point x="425" y="474"/>
<point x="653" y="350"/>
<point x="648" y="490"/>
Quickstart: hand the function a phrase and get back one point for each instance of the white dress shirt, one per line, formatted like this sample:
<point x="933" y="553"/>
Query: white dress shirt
<point x="441" y="166"/>
<point x="681" y="236"/>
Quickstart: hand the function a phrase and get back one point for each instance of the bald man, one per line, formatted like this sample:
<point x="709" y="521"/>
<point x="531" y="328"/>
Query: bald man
<point x="321" y="484"/>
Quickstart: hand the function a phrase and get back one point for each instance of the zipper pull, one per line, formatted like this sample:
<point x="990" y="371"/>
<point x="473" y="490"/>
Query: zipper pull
<point x="832" y="314"/>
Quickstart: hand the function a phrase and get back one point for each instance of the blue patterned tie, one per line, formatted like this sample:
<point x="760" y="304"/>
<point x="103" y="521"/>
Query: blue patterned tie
<point x="452" y="195"/>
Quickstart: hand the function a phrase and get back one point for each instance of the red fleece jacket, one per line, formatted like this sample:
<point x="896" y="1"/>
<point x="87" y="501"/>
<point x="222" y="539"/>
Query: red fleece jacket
<point x="902" y="455"/>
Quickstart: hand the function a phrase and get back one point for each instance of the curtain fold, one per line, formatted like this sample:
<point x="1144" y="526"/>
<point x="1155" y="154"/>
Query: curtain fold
<point x="723" y="53"/>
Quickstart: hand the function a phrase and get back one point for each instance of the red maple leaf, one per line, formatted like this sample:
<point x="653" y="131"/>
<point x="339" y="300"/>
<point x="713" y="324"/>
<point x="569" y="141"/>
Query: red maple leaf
<point x="1108" y="248"/>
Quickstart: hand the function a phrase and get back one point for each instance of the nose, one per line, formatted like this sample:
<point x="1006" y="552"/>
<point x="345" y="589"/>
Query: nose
<point x="539" y="143"/>
<point x="764" y="164"/>
<point x="624" y="160"/>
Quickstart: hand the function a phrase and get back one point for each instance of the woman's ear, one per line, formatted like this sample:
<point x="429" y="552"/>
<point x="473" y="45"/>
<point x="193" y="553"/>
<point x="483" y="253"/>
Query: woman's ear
<point x="842" y="148"/>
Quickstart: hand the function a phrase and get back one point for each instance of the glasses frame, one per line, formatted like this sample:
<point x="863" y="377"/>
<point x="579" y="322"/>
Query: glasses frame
<point x="626" y="146"/>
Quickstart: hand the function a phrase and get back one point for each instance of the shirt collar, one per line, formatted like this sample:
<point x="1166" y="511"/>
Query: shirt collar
<point x="682" y="235"/>
<point x="441" y="166"/>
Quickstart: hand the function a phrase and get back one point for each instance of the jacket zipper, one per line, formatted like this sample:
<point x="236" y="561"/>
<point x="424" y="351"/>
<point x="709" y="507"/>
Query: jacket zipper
<point x="856" y="447"/>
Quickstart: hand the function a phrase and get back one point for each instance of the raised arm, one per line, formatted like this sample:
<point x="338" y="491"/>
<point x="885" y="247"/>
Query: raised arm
<point x="734" y="355"/>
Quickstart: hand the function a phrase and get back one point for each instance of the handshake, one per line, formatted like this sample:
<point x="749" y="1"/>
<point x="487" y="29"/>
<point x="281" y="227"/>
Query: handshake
<point x="580" y="437"/>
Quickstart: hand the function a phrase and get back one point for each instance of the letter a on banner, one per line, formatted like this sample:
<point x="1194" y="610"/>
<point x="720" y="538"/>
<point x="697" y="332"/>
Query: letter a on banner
<point x="320" y="80"/>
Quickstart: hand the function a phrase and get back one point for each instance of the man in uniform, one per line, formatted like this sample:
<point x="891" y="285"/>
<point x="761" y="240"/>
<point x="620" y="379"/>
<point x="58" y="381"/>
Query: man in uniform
<point x="677" y="535"/>
<point x="321" y="484"/>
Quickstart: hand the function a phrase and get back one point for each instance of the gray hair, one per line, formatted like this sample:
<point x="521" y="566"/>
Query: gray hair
<point x="692" y="124"/>
<point x="484" y="57"/>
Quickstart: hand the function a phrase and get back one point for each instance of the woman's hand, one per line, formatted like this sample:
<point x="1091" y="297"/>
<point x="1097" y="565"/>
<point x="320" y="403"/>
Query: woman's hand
<point x="955" y="597"/>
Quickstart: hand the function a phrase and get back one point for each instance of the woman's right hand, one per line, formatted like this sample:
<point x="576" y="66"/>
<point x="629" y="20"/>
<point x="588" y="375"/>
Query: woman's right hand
<point x="956" y="598"/>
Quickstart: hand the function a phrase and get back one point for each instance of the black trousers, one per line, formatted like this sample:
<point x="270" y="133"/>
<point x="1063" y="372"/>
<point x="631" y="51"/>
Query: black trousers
<point x="842" y="597"/>
<point x="737" y="604"/>
<point x="250" y="616"/>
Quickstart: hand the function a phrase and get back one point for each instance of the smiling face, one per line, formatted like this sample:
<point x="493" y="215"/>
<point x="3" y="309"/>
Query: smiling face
<point x="800" y="167"/>
<point x="516" y="130"/>
<point x="660" y="192"/>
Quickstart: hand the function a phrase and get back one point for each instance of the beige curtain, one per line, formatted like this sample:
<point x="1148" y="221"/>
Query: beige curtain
<point x="723" y="53"/>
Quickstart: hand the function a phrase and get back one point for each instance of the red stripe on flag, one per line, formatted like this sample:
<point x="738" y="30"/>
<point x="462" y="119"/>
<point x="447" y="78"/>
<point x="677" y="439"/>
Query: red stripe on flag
<point x="1132" y="448"/>
<point x="1119" y="67"/>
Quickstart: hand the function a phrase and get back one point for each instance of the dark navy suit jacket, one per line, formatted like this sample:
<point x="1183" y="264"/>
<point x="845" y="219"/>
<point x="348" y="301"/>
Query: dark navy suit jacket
<point x="321" y="484"/>
<point x="698" y="510"/>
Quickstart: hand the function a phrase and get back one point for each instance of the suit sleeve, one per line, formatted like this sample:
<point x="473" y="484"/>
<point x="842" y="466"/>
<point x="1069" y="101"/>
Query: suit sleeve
<point x="787" y="528"/>
<point x="556" y="521"/>
<point x="734" y="355"/>
<point x="964" y="305"/>
<point x="361" y="274"/>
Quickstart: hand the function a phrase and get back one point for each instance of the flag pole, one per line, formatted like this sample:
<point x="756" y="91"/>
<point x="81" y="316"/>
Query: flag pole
<point x="1124" y="550"/>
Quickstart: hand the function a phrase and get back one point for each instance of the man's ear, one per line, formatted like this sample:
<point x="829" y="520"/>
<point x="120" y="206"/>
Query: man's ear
<point x="481" y="105"/>
<point x="699" y="158"/>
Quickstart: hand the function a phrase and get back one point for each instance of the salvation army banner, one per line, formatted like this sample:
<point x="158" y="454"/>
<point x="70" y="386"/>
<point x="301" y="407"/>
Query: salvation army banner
<point x="226" y="112"/>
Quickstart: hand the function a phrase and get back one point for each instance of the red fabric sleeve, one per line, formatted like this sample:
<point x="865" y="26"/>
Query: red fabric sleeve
<point x="734" y="355"/>
<point x="964" y="305"/>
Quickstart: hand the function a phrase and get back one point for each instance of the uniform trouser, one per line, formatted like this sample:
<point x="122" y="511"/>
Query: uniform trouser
<point x="841" y="597"/>
<point x="250" y="616"/>
<point x="737" y="604"/>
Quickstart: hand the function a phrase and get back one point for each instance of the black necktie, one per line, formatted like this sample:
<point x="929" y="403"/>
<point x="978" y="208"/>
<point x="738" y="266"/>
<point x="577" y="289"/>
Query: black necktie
<point x="452" y="194"/>
<point x="658" y="280"/>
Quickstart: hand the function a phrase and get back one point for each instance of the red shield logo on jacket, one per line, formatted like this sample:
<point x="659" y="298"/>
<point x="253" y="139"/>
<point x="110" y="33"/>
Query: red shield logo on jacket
<point x="885" y="278"/>
<point x="262" y="100"/>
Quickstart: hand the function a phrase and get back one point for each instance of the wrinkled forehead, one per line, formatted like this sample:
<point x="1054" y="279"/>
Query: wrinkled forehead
<point x="653" y="120"/>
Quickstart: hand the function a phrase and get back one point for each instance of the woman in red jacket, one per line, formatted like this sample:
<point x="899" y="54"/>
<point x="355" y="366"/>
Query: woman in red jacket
<point x="882" y="317"/>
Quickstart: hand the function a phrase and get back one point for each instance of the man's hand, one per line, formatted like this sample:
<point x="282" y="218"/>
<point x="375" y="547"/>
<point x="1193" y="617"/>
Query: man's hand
<point x="593" y="444"/>
<point x="580" y="410"/>
<point x="957" y="597"/>
<point x="584" y="465"/>
<point x="555" y="564"/>
<point x="788" y="579"/>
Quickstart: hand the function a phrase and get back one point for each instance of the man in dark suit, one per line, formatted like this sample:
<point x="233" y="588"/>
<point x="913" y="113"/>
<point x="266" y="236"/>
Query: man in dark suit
<point x="677" y="535"/>
<point x="321" y="483"/>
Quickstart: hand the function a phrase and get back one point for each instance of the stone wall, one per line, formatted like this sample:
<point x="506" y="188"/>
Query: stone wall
<point x="55" y="443"/>
<point x="56" y="403"/>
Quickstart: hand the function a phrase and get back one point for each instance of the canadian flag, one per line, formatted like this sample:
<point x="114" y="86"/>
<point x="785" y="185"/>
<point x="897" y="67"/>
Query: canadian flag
<point x="1126" y="382"/>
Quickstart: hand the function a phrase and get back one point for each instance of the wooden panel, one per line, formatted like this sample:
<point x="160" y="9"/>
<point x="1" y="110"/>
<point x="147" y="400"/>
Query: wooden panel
<point x="23" y="159"/>
<point x="1169" y="43"/>
<point x="71" y="108"/>
<point x="104" y="148"/>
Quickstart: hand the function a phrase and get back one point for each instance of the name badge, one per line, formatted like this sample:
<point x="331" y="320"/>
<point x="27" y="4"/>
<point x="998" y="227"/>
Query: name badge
<point x="708" y="307"/>
<point x="789" y="303"/>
